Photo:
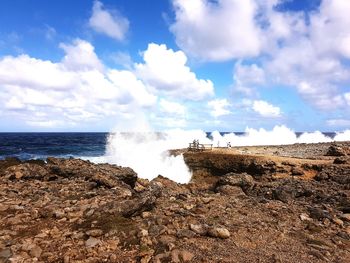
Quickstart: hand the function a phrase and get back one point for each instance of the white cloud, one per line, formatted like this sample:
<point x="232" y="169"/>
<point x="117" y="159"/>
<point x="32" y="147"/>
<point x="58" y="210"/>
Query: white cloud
<point x="330" y="27"/>
<point x="347" y="98"/>
<point x="80" y="56"/>
<point x="166" y="71"/>
<point x="171" y="107"/>
<point x="217" y="30"/>
<point x="248" y="77"/>
<point x="312" y="57"/>
<point x="338" y="122"/>
<point x="266" y="109"/>
<point x="79" y="88"/>
<point x="127" y="82"/>
<point x="219" y="107"/>
<point x="108" y="22"/>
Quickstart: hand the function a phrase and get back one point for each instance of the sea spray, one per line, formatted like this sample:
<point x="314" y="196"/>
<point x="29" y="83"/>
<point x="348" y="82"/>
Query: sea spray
<point x="147" y="153"/>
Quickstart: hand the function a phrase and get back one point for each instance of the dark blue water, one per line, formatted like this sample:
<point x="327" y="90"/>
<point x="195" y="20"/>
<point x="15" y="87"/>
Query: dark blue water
<point x="41" y="145"/>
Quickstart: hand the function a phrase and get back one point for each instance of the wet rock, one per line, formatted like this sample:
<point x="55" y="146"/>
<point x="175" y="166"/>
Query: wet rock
<point x="219" y="232"/>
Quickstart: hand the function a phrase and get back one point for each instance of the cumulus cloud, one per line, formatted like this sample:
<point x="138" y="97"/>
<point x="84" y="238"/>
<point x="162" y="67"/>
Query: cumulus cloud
<point x="247" y="77"/>
<point x="172" y="107"/>
<point x="166" y="71"/>
<point x="266" y="109"/>
<point x="306" y="51"/>
<point x="217" y="30"/>
<point x="79" y="88"/>
<point x="108" y="22"/>
<point x="219" y="107"/>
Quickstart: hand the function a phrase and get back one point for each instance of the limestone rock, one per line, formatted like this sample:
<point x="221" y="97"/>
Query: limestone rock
<point x="35" y="251"/>
<point x="94" y="232"/>
<point x="199" y="229"/>
<point x="92" y="242"/>
<point x="219" y="232"/>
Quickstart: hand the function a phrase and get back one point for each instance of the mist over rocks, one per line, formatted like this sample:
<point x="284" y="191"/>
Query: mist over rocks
<point x="243" y="204"/>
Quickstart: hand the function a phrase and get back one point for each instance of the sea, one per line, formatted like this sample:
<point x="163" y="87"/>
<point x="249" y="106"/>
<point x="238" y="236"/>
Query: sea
<point x="83" y="145"/>
<point x="27" y="146"/>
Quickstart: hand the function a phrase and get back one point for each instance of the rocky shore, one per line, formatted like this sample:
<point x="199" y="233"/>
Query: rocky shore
<point x="244" y="204"/>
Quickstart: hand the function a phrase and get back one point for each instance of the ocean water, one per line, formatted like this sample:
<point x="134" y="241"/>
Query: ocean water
<point x="42" y="145"/>
<point x="79" y="145"/>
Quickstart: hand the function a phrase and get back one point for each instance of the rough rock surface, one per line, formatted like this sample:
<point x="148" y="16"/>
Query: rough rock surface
<point x="246" y="204"/>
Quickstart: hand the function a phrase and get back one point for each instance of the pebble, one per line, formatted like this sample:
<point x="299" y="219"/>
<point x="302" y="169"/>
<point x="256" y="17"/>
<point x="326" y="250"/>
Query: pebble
<point x="304" y="217"/>
<point x="346" y="217"/>
<point x="338" y="221"/>
<point x="92" y="242"/>
<point x="199" y="229"/>
<point x="5" y="254"/>
<point x="219" y="232"/>
<point x="94" y="232"/>
<point x="36" y="251"/>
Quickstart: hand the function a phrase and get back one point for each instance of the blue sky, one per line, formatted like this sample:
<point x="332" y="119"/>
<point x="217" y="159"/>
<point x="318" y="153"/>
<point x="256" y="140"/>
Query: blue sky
<point x="191" y="64"/>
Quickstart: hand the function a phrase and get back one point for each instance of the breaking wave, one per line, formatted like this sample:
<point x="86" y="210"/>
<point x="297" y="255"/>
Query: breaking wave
<point x="147" y="153"/>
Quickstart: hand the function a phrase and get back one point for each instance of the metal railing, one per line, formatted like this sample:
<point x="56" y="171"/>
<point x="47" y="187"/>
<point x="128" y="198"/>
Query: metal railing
<point x="199" y="146"/>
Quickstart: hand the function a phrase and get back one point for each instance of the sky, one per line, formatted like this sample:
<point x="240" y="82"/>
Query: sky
<point x="224" y="65"/>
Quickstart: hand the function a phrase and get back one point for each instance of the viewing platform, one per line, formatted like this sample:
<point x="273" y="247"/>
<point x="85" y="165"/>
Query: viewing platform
<point x="199" y="147"/>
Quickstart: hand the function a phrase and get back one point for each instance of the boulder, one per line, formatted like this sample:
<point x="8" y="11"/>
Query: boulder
<point x="25" y="171"/>
<point x="340" y="160"/>
<point x="243" y="180"/>
<point x="106" y="175"/>
<point x="296" y="171"/>
<point x="335" y="150"/>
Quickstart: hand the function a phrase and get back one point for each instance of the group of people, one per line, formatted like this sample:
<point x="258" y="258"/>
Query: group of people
<point x="196" y="144"/>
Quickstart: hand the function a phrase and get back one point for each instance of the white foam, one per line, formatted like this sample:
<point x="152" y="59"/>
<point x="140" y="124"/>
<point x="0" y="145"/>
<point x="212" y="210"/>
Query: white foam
<point x="147" y="153"/>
